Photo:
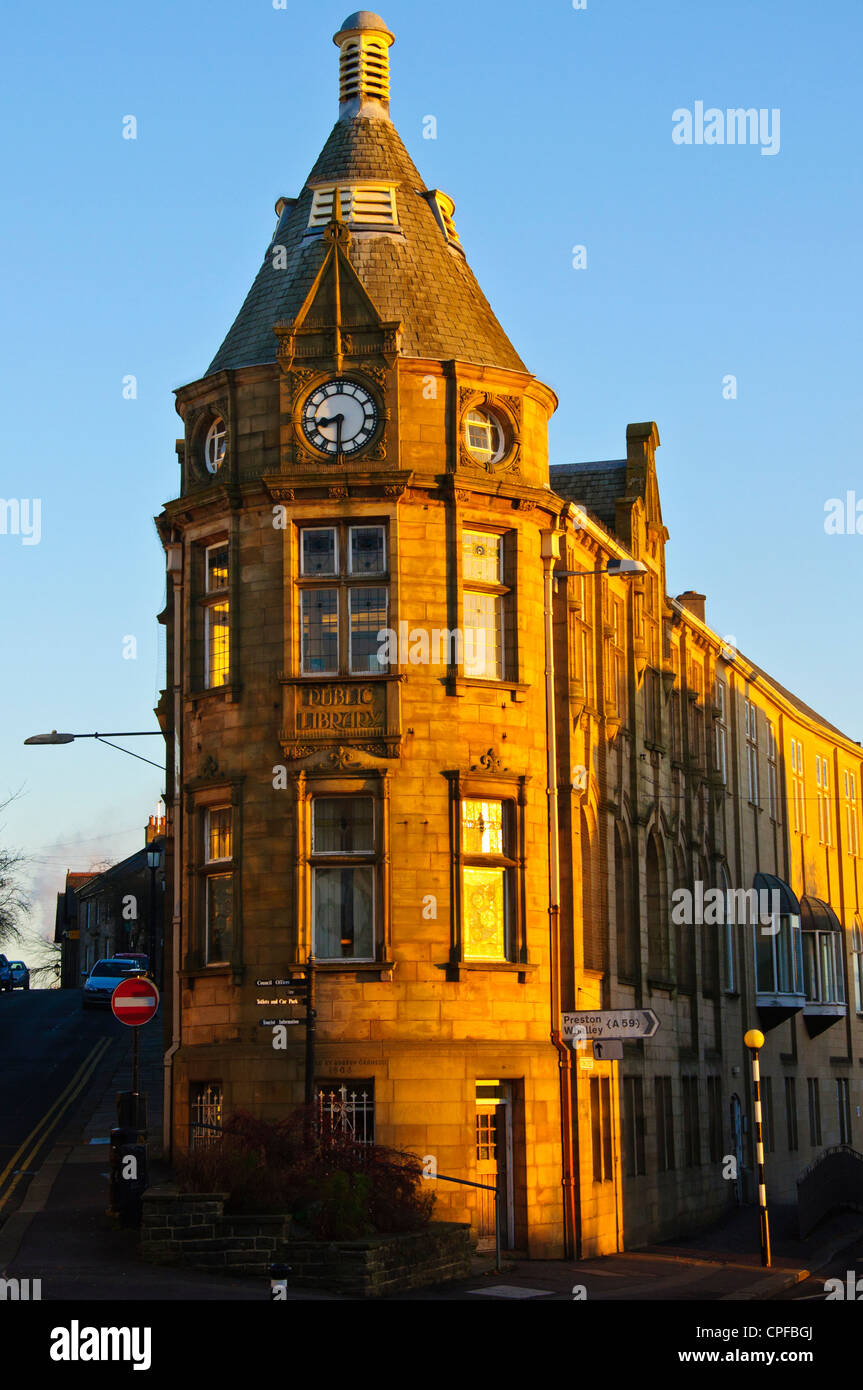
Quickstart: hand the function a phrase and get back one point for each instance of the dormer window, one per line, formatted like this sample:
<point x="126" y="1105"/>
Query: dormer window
<point x="362" y="205"/>
<point x="215" y="445"/>
<point x="443" y="208"/>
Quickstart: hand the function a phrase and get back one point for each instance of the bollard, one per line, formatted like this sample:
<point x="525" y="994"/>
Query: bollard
<point x="129" y="1175"/>
<point x="279" y="1283"/>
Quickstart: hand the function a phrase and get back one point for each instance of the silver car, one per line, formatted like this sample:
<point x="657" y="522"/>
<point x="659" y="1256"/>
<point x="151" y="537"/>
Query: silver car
<point x="104" y="979"/>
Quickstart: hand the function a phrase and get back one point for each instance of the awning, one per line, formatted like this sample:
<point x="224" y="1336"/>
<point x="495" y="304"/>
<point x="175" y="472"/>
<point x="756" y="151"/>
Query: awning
<point x="768" y="883"/>
<point x="816" y="915"/>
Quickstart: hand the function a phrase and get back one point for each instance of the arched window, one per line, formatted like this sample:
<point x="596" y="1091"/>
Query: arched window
<point x="626" y="924"/>
<point x="658" y="964"/>
<point x="685" y="943"/>
<point x="729" y="945"/>
<point x="710" y="931"/>
<point x="593" y="927"/>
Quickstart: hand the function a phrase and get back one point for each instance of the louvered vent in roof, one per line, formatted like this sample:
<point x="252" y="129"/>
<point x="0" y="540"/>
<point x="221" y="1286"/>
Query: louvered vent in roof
<point x="362" y="205"/>
<point x="364" y="69"/>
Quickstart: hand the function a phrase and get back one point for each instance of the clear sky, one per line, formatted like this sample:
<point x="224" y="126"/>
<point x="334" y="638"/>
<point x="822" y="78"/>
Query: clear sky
<point x="554" y="130"/>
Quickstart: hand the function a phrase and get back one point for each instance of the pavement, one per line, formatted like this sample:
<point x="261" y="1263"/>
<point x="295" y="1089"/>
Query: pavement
<point x="62" y="1234"/>
<point x="721" y="1263"/>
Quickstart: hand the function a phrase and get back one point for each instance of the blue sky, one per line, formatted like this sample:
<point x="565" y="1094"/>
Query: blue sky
<point x="553" y="130"/>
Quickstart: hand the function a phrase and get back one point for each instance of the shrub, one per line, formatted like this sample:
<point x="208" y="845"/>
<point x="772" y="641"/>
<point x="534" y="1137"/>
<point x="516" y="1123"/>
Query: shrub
<point x="334" y="1187"/>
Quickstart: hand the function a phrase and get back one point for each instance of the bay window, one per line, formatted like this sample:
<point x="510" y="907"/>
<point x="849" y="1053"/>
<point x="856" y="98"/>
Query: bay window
<point x="343" y="599"/>
<point x="343" y="871"/>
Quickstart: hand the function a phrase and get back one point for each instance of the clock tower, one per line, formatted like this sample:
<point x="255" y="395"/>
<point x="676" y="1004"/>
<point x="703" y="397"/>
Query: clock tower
<point x="356" y="687"/>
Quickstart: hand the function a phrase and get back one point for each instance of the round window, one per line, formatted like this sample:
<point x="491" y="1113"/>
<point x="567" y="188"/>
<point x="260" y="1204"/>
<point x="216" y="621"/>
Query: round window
<point x="216" y="444"/>
<point x="484" y="436"/>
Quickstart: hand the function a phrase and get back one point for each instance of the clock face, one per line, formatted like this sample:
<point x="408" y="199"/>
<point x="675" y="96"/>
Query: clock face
<point x="340" y="417"/>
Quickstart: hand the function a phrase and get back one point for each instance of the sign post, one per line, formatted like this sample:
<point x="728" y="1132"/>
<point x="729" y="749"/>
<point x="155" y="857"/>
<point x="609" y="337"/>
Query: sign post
<point x="134" y="1002"/>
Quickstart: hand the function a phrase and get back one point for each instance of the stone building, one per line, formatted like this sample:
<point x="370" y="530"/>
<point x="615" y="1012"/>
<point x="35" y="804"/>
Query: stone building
<point x="379" y="698"/>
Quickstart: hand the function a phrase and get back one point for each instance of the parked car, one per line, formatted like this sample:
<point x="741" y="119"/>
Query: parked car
<point x="20" y="975"/>
<point x="104" y="978"/>
<point x="136" y="957"/>
<point x="5" y="974"/>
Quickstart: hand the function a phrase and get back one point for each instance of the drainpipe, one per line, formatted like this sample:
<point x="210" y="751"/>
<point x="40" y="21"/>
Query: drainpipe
<point x="551" y="552"/>
<point x="174" y="556"/>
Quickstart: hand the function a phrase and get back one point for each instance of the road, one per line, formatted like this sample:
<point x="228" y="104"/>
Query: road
<point x="812" y="1290"/>
<point x="50" y="1049"/>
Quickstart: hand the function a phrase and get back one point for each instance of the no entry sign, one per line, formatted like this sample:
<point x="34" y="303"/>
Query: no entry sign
<point x="135" y="1001"/>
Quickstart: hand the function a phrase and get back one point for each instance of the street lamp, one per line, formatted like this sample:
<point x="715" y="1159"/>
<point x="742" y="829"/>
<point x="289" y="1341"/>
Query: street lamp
<point x="755" y="1040"/>
<point x="617" y="565"/>
<point x="54" y="737"/>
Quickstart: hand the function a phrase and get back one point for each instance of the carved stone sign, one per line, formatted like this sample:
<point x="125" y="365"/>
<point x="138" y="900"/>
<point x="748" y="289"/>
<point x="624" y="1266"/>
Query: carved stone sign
<point x="341" y="709"/>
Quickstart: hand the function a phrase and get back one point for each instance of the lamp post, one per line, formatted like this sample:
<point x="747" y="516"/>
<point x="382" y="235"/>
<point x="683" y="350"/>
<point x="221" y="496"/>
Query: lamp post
<point x="154" y="862"/>
<point x="55" y="738"/>
<point x="754" y="1040"/>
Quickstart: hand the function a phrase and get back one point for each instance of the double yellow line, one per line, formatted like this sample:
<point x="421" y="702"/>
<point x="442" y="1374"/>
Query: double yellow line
<point x="40" y="1131"/>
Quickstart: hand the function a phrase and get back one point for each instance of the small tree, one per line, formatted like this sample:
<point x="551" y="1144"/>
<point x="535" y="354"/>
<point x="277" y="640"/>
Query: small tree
<point x="14" y="903"/>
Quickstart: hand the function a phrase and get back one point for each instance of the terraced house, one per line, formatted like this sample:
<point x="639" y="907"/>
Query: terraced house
<point x="440" y="739"/>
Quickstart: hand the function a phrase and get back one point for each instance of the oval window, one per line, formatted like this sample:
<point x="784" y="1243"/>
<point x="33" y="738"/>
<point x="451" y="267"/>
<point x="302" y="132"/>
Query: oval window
<point x="216" y="444"/>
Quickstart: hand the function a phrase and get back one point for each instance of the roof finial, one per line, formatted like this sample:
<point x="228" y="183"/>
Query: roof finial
<point x="364" y="68"/>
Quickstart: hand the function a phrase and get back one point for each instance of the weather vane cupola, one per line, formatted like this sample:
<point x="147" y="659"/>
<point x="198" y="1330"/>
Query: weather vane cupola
<point x="364" y="69"/>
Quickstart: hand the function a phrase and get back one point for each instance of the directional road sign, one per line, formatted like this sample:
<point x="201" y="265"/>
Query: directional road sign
<point x="135" y="1001"/>
<point x="609" y="1023"/>
<point x="609" y="1051"/>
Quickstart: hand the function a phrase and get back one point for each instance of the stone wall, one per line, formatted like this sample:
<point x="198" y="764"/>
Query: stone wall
<point x="192" y="1229"/>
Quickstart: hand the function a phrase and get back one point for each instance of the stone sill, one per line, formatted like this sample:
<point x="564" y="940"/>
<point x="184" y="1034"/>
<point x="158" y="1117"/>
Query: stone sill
<point x="347" y="967"/>
<point x="454" y="968"/>
<point x="459" y="685"/>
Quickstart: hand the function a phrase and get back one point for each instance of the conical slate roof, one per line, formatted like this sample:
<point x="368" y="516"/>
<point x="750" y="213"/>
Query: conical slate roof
<point x="417" y="280"/>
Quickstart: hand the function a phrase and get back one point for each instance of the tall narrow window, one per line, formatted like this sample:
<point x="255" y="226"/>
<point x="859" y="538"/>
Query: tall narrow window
<point x="730" y="952"/>
<point x="791" y="1113"/>
<point x="633" y="1127"/>
<point x="851" y="821"/>
<point x="691" y="1128"/>
<point x="750" y="722"/>
<point x="664" y="1123"/>
<point x="857" y="962"/>
<point x="218" y="884"/>
<point x="714" y="1112"/>
<point x="600" y="1126"/>
<point x="343" y="861"/>
<point x="485" y="599"/>
<point x="814" y="1110"/>
<point x="217" y="631"/>
<point x="822" y="793"/>
<point x="798" y="787"/>
<point x="772" y="773"/>
<point x="344" y="600"/>
<point x="843" y="1105"/>
<point x="721" y="727"/>
<point x="488" y="865"/>
<point x="767" y="1114"/>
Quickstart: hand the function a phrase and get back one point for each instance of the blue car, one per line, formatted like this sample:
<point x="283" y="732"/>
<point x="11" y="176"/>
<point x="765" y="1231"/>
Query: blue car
<point x="20" y="974"/>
